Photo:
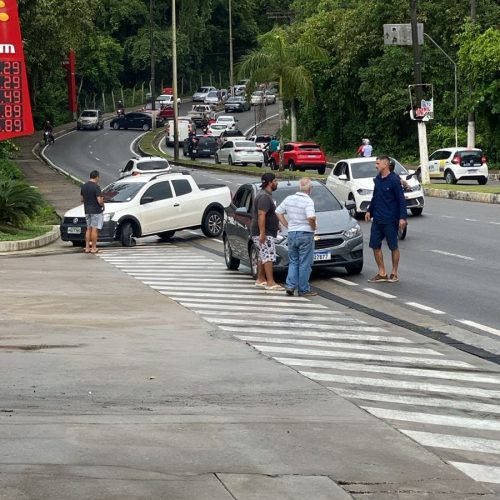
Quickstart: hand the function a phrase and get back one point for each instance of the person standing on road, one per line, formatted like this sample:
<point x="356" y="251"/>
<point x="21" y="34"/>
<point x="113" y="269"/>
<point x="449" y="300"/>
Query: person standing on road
<point x="301" y="223"/>
<point x="264" y="230"/>
<point x="93" y="203"/>
<point x="388" y="209"/>
<point x="367" y="148"/>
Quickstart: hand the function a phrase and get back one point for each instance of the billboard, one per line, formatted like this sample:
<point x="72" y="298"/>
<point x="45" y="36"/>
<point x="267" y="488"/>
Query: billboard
<point x="15" y="104"/>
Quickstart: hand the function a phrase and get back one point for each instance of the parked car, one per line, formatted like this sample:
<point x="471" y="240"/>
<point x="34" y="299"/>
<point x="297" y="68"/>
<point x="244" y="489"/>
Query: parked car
<point x="227" y="120"/>
<point x="243" y="152"/>
<point x="258" y="98"/>
<point x="239" y="90"/>
<point x="236" y="103"/>
<point x="300" y="156"/>
<point x="261" y="140"/>
<point x="135" y="119"/>
<point x="201" y="93"/>
<point x="458" y="164"/>
<point x="270" y="97"/>
<point x="352" y="179"/>
<point x="216" y="129"/>
<point x="145" y="205"/>
<point x="145" y="165"/>
<point x="90" y="119"/>
<point x="230" y="134"/>
<point x="206" y="146"/>
<point x="338" y="241"/>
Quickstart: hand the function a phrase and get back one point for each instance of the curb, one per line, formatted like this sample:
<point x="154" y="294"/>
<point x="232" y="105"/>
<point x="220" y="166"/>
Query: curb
<point x="39" y="241"/>
<point x="463" y="195"/>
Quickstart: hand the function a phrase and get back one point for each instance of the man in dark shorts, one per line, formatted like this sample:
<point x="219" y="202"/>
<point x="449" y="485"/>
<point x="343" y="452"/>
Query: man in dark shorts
<point x="93" y="203"/>
<point x="264" y="229"/>
<point x="388" y="209"/>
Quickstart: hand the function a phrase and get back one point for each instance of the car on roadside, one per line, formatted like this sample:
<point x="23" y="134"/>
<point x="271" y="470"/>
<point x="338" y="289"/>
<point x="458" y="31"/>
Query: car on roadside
<point x="214" y="97"/>
<point x="258" y="98"/>
<point x="239" y="152"/>
<point x="90" y="119"/>
<point x="135" y="119"/>
<point x="230" y="134"/>
<point x="206" y="146"/>
<point x="270" y="97"/>
<point x="261" y="140"/>
<point x="236" y="103"/>
<point x="145" y="165"/>
<point x="152" y="204"/>
<point x="201" y="93"/>
<point x="338" y="241"/>
<point x="167" y="100"/>
<point x="300" y="156"/>
<point x="216" y="129"/>
<point x="352" y="179"/>
<point x="228" y="120"/>
<point x="458" y="164"/>
<point x="239" y="90"/>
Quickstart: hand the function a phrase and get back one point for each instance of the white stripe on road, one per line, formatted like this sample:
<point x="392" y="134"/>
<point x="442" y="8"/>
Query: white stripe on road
<point x="472" y="220"/>
<point x="231" y="290"/>
<point x="345" y="282"/>
<point x="345" y="345"/>
<point x="482" y="473"/>
<point x="173" y="267"/>
<point x="394" y="370"/>
<point x="188" y="276"/>
<point x="403" y="384"/>
<point x="378" y="292"/>
<point x="432" y="419"/>
<point x="215" y="279"/>
<point x="312" y="308"/>
<point x="485" y="328"/>
<point x="424" y="308"/>
<point x="183" y="298"/>
<point x="449" y="254"/>
<point x="175" y="271"/>
<point x="257" y="295"/>
<point x="355" y="355"/>
<point x="495" y="223"/>
<point x="289" y="317"/>
<point x="416" y="400"/>
<point x="452" y="442"/>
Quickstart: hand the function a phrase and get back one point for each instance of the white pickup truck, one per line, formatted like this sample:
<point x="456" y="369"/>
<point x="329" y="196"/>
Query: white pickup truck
<point x="153" y="204"/>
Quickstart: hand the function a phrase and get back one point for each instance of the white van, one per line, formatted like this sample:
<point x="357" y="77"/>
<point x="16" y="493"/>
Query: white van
<point x="184" y="124"/>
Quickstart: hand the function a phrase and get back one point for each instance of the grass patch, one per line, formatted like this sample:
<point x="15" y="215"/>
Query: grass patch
<point x="465" y="187"/>
<point x="26" y="233"/>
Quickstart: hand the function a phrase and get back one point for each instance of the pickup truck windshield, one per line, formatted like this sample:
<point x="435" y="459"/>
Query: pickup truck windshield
<point x="324" y="200"/>
<point x="119" y="192"/>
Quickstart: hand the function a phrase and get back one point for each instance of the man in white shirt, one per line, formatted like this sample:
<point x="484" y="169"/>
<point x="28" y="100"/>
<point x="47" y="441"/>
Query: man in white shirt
<point x="301" y="223"/>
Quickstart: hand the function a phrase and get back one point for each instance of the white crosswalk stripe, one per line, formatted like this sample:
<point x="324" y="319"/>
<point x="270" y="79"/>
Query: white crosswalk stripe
<point x="442" y="401"/>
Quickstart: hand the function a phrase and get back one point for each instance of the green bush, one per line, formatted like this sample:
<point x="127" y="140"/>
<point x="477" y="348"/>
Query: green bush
<point x="9" y="170"/>
<point x="7" y="148"/>
<point x="18" y="202"/>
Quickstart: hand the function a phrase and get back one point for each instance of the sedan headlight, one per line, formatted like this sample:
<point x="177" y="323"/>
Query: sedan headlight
<point x="107" y="217"/>
<point x="352" y="232"/>
<point x="417" y="187"/>
<point x="365" y="192"/>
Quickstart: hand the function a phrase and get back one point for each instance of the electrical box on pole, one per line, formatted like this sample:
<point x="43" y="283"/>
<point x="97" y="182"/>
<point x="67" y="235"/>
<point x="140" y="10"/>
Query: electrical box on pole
<point x="400" y="34"/>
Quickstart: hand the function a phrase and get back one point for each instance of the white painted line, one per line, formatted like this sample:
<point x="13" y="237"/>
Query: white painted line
<point x="378" y="292"/>
<point x="357" y="355"/>
<point x="456" y="255"/>
<point x="393" y="370"/>
<point x="173" y="270"/>
<point x="485" y="328"/>
<point x="345" y="345"/>
<point x="98" y="159"/>
<point x="169" y="266"/>
<point x="187" y="276"/>
<point x="156" y="259"/>
<point x="288" y="318"/>
<point x="256" y="295"/>
<point x="482" y="473"/>
<point x="447" y="216"/>
<point x="404" y="384"/>
<point x="452" y="442"/>
<point x="432" y="419"/>
<point x="252" y="309"/>
<point x="416" y="400"/>
<point x="179" y="287"/>
<point x="345" y="282"/>
<point x="424" y="308"/>
<point x="234" y="280"/>
<point x="306" y="326"/>
<point x="235" y="301"/>
<point x="495" y="223"/>
<point x="472" y="220"/>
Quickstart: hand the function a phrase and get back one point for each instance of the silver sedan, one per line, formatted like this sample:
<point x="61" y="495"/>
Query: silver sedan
<point x="240" y="152"/>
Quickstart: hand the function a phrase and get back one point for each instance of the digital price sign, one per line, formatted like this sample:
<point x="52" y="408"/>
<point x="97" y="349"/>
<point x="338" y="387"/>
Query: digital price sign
<point x="15" y="105"/>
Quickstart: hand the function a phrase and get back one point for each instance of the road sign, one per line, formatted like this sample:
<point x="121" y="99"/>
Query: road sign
<point x="15" y="105"/>
<point x="421" y="102"/>
<point x="400" y="34"/>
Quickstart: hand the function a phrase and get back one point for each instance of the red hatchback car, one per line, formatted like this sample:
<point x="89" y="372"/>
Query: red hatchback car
<point x="300" y="156"/>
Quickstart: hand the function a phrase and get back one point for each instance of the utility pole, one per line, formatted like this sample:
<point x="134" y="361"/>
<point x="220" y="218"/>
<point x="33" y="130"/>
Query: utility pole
<point x="152" y="55"/>
<point x="471" y="117"/>
<point x="231" y="69"/>
<point x="422" y="131"/>
<point x="174" y="82"/>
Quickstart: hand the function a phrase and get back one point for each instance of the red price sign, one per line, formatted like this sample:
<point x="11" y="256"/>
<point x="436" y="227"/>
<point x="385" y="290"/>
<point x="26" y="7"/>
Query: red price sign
<point x="15" y="105"/>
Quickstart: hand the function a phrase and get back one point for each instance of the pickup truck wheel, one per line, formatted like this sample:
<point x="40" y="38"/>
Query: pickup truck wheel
<point x="127" y="235"/>
<point x="291" y="166"/>
<point x="116" y="126"/>
<point x="253" y="255"/>
<point x="230" y="161"/>
<point x="146" y="127"/>
<point x="216" y="159"/>
<point x="166" y="235"/>
<point x="212" y="224"/>
<point x="354" y="268"/>
<point x="231" y="262"/>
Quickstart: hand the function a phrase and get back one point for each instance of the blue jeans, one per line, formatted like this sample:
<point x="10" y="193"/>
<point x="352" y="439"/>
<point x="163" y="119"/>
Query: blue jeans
<point x="300" y="257"/>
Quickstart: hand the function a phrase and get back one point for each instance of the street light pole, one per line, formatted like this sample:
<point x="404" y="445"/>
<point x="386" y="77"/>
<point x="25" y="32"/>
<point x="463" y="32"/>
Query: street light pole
<point x="456" y="91"/>
<point x="152" y="55"/>
<point x="231" y="69"/>
<point x="174" y="82"/>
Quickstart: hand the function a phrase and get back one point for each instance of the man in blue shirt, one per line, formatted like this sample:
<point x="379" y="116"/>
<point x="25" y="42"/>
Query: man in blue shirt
<point x="388" y="209"/>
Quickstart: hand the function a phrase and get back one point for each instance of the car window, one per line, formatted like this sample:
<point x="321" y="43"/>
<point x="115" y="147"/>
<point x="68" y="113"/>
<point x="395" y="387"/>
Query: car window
<point x="241" y="197"/>
<point x="129" y="166"/>
<point x="288" y="147"/>
<point x="152" y="165"/>
<point x="159" y="191"/>
<point x="207" y="141"/>
<point x="212" y="93"/>
<point x="118" y="192"/>
<point x="181" y="187"/>
<point x="245" y="144"/>
<point x="324" y="200"/>
<point x="227" y="144"/>
<point x="469" y="156"/>
<point x="88" y="114"/>
<point x="338" y="169"/>
<point x="263" y="138"/>
<point x="309" y="147"/>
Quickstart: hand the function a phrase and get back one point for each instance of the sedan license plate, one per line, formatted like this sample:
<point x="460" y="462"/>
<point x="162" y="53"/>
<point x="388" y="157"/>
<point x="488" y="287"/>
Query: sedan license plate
<point x="322" y="256"/>
<point x="74" y="230"/>
<point x="473" y="171"/>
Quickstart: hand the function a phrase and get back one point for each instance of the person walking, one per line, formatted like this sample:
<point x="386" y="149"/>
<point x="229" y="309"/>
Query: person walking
<point x="388" y="210"/>
<point x="93" y="203"/>
<point x="296" y="212"/>
<point x="367" y="148"/>
<point x="264" y="230"/>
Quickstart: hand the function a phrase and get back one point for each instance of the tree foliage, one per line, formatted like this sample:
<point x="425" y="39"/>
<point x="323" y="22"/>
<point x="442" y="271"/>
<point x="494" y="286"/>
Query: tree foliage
<point x="18" y="202"/>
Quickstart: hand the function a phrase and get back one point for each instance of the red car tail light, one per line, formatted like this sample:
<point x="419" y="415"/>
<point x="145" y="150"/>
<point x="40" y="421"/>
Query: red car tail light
<point x="456" y="160"/>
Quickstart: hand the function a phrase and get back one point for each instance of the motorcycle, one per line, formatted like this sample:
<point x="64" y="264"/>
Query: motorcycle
<point x="120" y="112"/>
<point x="48" y="138"/>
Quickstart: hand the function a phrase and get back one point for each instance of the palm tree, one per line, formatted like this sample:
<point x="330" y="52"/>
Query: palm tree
<point x="281" y="59"/>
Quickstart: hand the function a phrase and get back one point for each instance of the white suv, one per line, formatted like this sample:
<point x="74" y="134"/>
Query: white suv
<point x="146" y="165"/>
<point x="458" y="164"/>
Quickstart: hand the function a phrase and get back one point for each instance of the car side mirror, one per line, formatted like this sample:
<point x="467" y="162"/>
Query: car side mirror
<point x="146" y="199"/>
<point x="120" y="170"/>
<point x="350" y="205"/>
<point x="241" y="211"/>
<point x="342" y="177"/>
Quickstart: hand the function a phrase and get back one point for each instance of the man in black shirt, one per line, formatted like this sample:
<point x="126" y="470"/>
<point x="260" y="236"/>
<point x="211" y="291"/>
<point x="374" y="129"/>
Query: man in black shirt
<point x="264" y="229"/>
<point x="93" y="203"/>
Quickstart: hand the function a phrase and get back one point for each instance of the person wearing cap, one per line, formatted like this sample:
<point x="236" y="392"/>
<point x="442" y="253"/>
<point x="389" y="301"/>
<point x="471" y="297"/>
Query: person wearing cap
<point x="264" y="230"/>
